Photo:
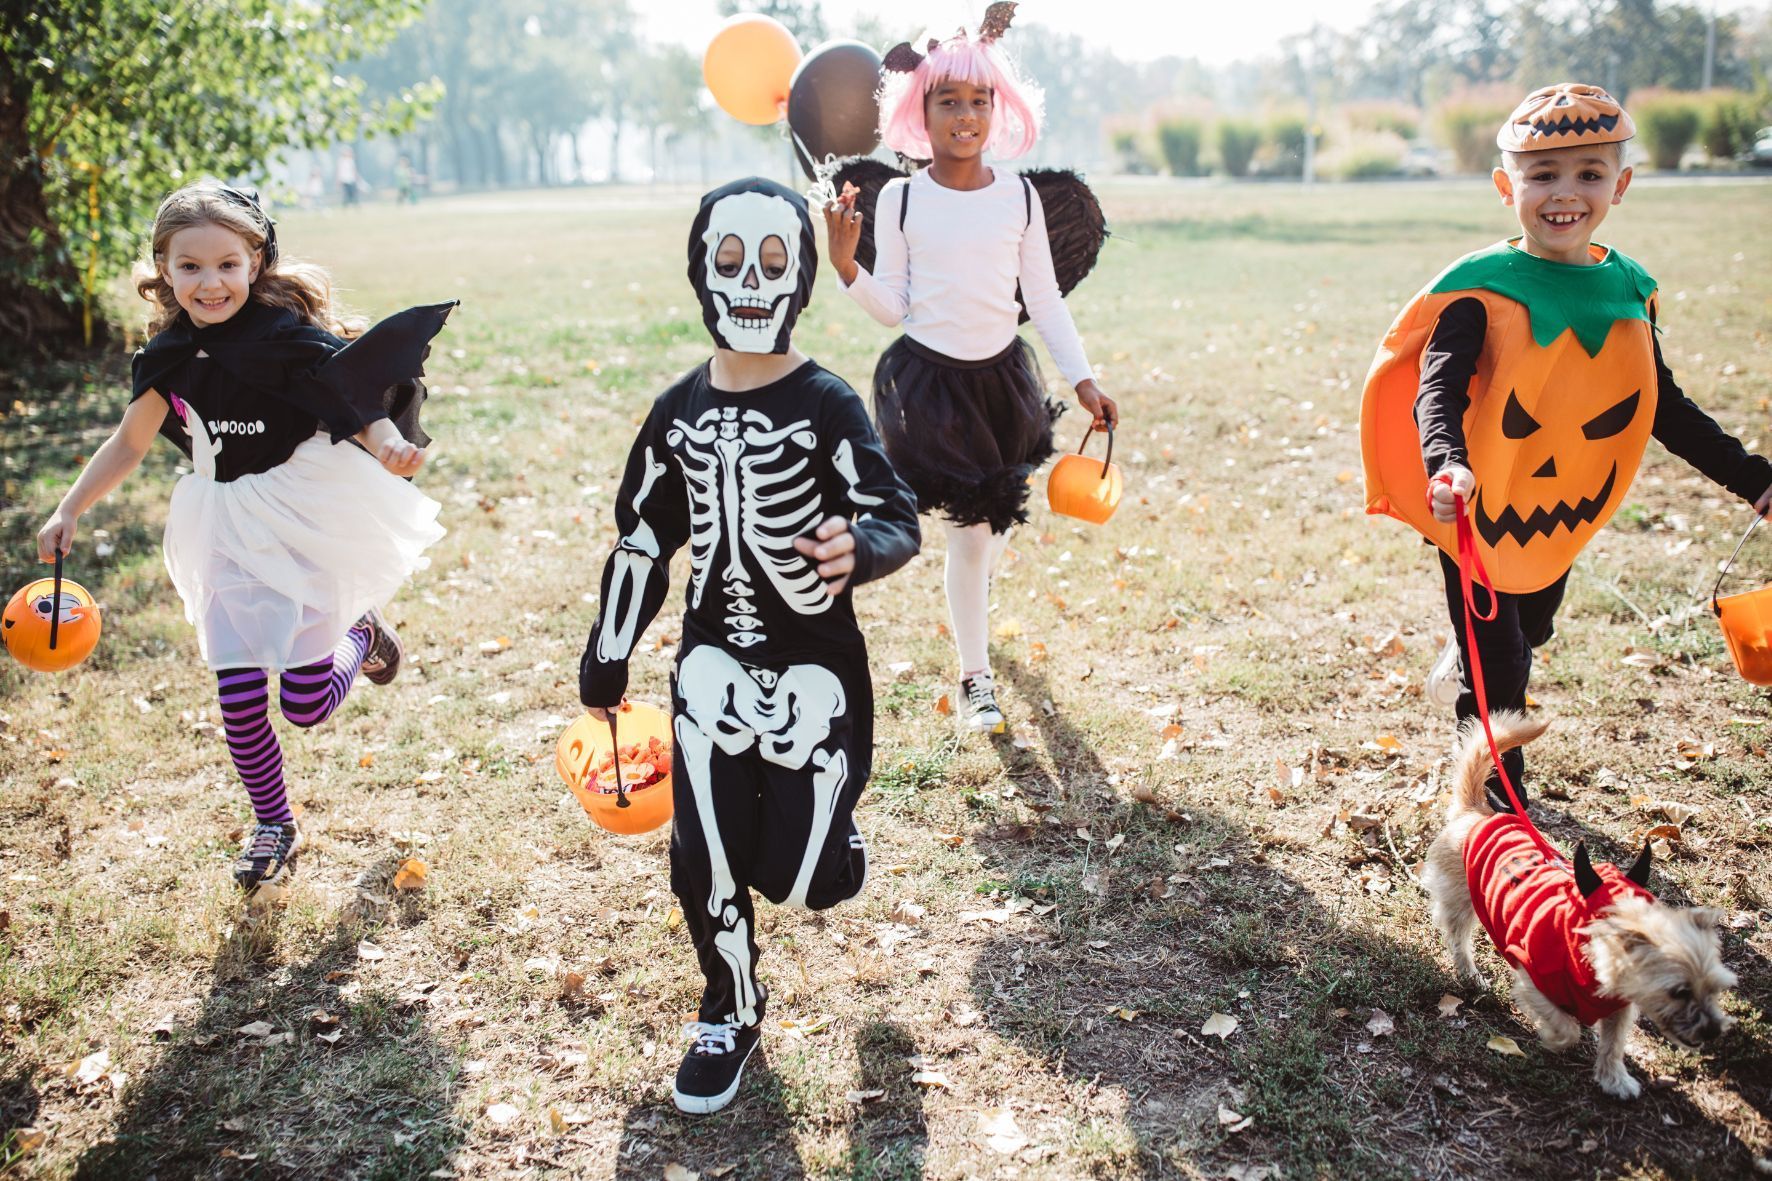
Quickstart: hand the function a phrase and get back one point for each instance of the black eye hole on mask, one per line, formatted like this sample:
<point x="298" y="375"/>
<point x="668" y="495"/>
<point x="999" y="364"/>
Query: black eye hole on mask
<point x="728" y="267"/>
<point x="773" y="269"/>
<point x="1515" y="422"/>
<point x="1610" y="422"/>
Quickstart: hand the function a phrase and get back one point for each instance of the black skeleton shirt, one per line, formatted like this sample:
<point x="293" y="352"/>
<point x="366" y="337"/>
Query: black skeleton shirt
<point x="737" y="477"/>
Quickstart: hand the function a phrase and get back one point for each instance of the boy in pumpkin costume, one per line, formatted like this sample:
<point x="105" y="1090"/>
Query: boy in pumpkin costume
<point x="1527" y="380"/>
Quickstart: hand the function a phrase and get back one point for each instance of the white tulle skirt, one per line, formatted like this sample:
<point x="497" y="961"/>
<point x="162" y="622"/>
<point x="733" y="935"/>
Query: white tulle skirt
<point x="274" y="568"/>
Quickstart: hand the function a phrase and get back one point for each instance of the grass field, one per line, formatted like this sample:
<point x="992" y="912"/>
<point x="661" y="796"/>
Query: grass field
<point x="1220" y="776"/>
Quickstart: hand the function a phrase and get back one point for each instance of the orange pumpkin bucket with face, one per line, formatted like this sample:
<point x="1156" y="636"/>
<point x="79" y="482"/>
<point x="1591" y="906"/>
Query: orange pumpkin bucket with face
<point x="1746" y="620"/>
<point x="623" y="784"/>
<point x="1078" y="487"/>
<point x="51" y="624"/>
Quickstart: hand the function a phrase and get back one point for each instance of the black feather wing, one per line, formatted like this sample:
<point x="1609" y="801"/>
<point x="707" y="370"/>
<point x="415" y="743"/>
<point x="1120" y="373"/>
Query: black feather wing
<point x="870" y="176"/>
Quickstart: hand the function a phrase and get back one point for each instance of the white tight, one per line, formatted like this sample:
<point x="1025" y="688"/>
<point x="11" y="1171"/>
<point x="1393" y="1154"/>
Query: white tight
<point x="973" y="554"/>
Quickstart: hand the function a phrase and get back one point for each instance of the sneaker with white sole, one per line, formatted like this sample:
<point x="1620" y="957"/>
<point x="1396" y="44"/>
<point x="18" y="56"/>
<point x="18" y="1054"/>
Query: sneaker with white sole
<point x="980" y="711"/>
<point x="381" y="663"/>
<point x="269" y="855"/>
<point x="1445" y="681"/>
<point x="714" y="1066"/>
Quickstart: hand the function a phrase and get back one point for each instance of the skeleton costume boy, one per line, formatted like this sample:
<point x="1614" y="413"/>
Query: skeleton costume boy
<point x="772" y="699"/>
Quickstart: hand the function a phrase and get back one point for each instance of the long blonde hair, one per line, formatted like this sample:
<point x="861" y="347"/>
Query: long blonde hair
<point x="299" y="287"/>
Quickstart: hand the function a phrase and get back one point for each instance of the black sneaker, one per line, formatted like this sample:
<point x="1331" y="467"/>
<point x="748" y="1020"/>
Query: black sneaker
<point x="381" y="663"/>
<point x="714" y="1065"/>
<point x="269" y="855"/>
<point x="980" y="712"/>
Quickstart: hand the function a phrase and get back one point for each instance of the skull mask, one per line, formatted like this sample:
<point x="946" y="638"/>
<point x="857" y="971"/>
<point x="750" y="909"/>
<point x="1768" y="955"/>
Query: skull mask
<point x="752" y="258"/>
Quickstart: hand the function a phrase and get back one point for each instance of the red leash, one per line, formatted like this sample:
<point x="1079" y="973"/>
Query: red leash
<point x="1470" y="561"/>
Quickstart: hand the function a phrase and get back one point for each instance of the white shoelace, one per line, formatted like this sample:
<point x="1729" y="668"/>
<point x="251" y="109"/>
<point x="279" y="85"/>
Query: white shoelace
<point x="718" y="1038"/>
<point x="981" y="693"/>
<point x="266" y="841"/>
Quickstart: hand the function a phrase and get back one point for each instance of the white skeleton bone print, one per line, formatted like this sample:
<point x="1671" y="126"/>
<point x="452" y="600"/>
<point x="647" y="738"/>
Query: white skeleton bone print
<point x="753" y="485"/>
<point x="785" y="716"/>
<point x="633" y="559"/>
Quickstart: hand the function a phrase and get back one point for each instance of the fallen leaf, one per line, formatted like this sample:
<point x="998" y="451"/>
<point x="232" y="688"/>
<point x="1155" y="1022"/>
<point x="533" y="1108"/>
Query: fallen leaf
<point x="257" y="1029"/>
<point x="1125" y="1014"/>
<point x="943" y="706"/>
<point x="676" y="1172"/>
<point x="27" y="1139"/>
<point x="411" y="875"/>
<point x="367" y="760"/>
<point x="572" y="984"/>
<point x="369" y="953"/>
<point x="932" y="1078"/>
<point x="1506" y="1046"/>
<point x="1449" y="1005"/>
<point x="1001" y="1131"/>
<point x="1390" y="743"/>
<point x="502" y="1113"/>
<point x="556" y="1121"/>
<point x="1220" y="1025"/>
<point x="1380" y="1024"/>
<point x="907" y="912"/>
<point x="863" y="1096"/>
<point x="1233" y="1121"/>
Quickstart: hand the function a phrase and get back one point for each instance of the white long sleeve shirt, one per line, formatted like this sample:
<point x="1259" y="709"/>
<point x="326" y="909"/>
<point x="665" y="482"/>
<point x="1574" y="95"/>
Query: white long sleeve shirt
<point x="949" y="275"/>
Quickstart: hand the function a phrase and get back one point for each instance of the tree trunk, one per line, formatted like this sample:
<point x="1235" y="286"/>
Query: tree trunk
<point x="616" y="117"/>
<point x="35" y="269"/>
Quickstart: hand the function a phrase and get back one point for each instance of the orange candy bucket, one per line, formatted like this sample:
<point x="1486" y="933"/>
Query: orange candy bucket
<point x="1078" y="488"/>
<point x="584" y="747"/>
<point x="1746" y="620"/>
<point x="51" y="624"/>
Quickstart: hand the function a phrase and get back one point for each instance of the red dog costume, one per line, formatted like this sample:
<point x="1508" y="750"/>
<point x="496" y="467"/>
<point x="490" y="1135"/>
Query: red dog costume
<point x="1534" y="909"/>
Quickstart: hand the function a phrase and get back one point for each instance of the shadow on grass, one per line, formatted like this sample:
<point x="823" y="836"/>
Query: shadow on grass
<point x="887" y="1139"/>
<point x="378" y="1103"/>
<point x="1194" y="915"/>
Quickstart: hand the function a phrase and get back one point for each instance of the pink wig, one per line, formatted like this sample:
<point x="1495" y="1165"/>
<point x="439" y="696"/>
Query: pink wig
<point x="1016" y="105"/>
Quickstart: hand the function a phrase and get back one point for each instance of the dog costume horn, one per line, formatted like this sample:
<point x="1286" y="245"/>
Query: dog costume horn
<point x="1586" y="879"/>
<point x="1639" y="869"/>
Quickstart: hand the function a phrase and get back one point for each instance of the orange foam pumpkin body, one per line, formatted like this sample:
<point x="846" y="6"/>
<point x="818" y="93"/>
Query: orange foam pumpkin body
<point x="1083" y="488"/>
<point x="1554" y="435"/>
<point x="25" y="626"/>
<point x="585" y="743"/>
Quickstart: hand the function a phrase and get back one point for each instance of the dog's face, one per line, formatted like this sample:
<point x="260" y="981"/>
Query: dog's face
<point x="1668" y="961"/>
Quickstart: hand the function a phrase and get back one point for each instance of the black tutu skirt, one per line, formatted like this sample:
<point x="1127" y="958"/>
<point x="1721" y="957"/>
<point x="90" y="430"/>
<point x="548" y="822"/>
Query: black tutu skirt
<point x="965" y="435"/>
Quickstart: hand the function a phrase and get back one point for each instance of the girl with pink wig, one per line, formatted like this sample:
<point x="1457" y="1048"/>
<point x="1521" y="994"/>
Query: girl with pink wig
<point x="960" y="250"/>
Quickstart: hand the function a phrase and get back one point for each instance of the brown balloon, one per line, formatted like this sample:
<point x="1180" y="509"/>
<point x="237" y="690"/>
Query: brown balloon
<point x="833" y="103"/>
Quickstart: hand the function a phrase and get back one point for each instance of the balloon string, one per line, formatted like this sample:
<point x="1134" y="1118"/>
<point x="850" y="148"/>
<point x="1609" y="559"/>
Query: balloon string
<point x="821" y="193"/>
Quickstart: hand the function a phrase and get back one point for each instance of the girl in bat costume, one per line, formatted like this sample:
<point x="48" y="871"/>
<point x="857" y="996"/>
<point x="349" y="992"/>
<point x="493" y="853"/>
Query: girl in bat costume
<point x="959" y="250"/>
<point x="764" y="464"/>
<point x="286" y="539"/>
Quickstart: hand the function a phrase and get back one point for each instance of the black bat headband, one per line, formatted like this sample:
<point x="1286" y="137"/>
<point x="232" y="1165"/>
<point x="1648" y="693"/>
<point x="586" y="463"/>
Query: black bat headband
<point x="248" y="199"/>
<point x="903" y="59"/>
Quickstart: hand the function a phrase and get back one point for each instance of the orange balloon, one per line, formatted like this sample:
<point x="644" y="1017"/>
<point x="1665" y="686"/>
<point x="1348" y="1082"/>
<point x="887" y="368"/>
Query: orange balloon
<point x="748" y="67"/>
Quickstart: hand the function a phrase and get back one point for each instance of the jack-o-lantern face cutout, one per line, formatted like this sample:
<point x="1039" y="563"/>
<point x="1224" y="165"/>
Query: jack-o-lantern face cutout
<point x="1544" y="493"/>
<point x="1553" y="434"/>
<point x="1563" y="116"/>
<point x="27" y="625"/>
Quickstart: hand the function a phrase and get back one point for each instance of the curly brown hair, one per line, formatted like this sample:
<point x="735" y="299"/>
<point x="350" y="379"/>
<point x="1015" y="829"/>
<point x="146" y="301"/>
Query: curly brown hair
<point x="299" y="287"/>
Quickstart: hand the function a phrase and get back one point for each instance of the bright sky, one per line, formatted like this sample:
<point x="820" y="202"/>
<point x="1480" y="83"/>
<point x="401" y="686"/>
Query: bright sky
<point x="1215" y="31"/>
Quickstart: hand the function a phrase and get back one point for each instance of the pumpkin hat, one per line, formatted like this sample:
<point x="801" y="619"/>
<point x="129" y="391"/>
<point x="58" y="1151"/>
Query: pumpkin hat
<point x="1563" y="116"/>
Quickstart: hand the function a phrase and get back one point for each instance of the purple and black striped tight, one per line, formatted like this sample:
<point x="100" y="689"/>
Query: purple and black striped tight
<point x="308" y="697"/>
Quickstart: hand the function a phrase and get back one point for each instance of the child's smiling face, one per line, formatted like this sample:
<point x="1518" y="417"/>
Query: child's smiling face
<point x="958" y="115"/>
<point x="1561" y="196"/>
<point x="211" y="269"/>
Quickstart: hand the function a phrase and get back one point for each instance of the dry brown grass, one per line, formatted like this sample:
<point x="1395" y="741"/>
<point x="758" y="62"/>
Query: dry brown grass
<point x="1240" y="596"/>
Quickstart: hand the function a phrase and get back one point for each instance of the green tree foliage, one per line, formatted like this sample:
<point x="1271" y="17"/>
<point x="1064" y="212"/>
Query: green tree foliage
<point x="105" y="105"/>
<point x="1668" y="123"/>
<point x="1179" y="139"/>
<point x="1237" y="141"/>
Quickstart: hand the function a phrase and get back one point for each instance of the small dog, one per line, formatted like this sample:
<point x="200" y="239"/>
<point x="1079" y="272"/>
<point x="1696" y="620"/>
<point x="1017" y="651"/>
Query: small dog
<point x="1587" y="946"/>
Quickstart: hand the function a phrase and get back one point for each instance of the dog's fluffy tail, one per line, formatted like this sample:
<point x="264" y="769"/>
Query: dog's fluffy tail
<point x="1471" y="770"/>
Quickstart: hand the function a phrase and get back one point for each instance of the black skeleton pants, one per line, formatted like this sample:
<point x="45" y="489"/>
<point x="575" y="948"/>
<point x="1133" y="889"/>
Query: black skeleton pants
<point x="1504" y="644"/>
<point x="766" y="769"/>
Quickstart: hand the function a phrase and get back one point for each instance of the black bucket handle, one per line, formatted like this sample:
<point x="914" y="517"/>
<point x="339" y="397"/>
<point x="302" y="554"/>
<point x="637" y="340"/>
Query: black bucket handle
<point x="55" y="603"/>
<point x="1107" y="462"/>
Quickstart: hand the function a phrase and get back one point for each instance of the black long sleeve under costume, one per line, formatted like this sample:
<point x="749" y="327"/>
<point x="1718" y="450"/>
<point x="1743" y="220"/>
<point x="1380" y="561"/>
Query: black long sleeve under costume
<point x="1525" y="621"/>
<point x="772" y="701"/>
